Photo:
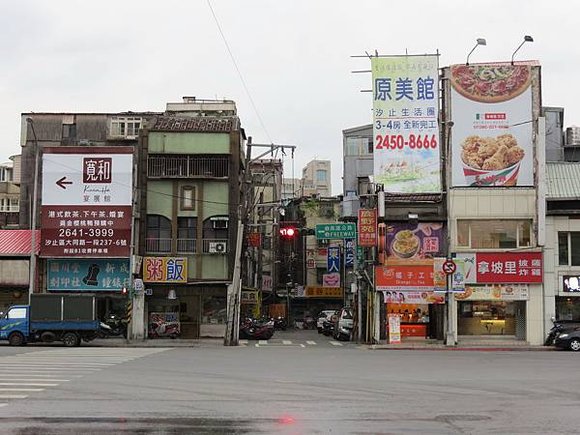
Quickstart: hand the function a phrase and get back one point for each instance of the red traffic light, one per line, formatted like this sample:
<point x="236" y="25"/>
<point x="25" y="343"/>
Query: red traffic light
<point x="288" y="232"/>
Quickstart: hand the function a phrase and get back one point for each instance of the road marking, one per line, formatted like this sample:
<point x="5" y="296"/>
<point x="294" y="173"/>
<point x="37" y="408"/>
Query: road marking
<point x="263" y="342"/>
<point x="3" y="405"/>
<point x="310" y="342"/>
<point x="257" y="345"/>
<point x="22" y="389"/>
<point x="13" y="396"/>
<point x="302" y="345"/>
<point x="286" y="341"/>
<point x="335" y="343"/>
<point x="25" y="384"/>
<point x="243" y="341"/>
<point x="28" y="380"/>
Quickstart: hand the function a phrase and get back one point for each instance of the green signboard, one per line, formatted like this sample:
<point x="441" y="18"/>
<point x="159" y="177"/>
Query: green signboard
<point x="336" y="231"/>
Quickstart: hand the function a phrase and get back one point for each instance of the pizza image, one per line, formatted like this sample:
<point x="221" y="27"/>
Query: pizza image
<point x="490" y="83"/>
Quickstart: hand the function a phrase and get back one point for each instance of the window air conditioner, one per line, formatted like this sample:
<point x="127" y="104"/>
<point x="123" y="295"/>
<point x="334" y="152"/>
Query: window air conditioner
<point x="217" y="247"/>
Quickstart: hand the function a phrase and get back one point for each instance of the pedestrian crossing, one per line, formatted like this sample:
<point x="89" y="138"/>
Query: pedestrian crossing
<point x="25" y="374"/>
<point x="289" y="343"/>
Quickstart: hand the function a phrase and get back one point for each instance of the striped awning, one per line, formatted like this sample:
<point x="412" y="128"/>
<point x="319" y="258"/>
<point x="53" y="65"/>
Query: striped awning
<point x="18" y="242"/>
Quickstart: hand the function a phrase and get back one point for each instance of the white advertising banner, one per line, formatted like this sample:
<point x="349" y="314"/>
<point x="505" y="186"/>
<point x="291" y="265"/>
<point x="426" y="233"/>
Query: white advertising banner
<point x="491" y="137"/>
<point x="405" y="123"/>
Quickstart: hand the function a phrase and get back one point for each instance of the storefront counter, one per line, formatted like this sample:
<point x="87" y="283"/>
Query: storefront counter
<point x="414" y="330"/>
<point x="478" y="326"/>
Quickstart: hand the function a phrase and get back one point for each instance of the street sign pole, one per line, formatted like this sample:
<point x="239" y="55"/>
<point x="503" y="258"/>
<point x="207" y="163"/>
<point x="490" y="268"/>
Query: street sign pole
<point x="450" y="335"/>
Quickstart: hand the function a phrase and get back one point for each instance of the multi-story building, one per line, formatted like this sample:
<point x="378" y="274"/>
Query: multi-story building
<point x="316" y="178"/>
<point x="158" y="192"/>
<point x="10" y="192"/>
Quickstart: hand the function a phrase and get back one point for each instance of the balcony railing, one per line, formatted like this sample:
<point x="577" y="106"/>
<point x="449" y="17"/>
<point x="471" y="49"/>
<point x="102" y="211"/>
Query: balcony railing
<point x="158" y="245"/>
<point x="186" y="166"/>
<point x="186" y="246"/>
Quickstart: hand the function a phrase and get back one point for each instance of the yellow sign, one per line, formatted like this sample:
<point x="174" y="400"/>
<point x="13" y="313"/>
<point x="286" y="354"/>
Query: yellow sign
<point x="249" y="297"/>
<point x="322" y="292"/>
<point x="165" y="269"/>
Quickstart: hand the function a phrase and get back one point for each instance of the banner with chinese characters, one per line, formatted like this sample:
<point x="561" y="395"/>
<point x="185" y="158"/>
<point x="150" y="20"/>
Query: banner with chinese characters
<point x="165" y="269"/>
<point x="491" y="137"/>
<point x="502" y="267"/>
<point x="349" y="246"/>
<point x="405" y="123"/>
<point x="414" y="243"/>
<point x="88" y="275"/>
<point x="367" y="227"/>
<point x="249" y="297"/>
<point x="333" y="259"/>
<point x="403" y="278"/>
<point x="86" y="202"/>
<point x="499" y="292"/>
<point x="322" y="292"/>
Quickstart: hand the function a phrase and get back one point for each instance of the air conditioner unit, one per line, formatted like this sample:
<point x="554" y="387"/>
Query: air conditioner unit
<point x="218" y="247"/>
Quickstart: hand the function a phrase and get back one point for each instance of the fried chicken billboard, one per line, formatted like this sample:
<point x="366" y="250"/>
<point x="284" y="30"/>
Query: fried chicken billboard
<point x="491" y="137"/>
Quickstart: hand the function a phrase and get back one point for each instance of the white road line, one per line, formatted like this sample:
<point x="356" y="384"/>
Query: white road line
<point x="257" y="345"/>
<point x="335" y="343"/>
<point x="10" y="373"/>
<point x="3" y="405"/>
<point x="243" y="341"/>
<point x="60" y="363"/>
<point x="25" y="384"/>
<point x="48" y="369"/>
<point x="21" y="389"/>
<point x="302" y="345"/>
<point x="13" y="396"/>
<point x="310" y="342"/>
<point x="28" y="380"/>
<point x="286" y="341"/>
<point x="262" y="341"/>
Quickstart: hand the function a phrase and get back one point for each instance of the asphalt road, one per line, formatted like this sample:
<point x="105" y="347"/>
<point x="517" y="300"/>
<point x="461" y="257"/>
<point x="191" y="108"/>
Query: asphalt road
<point x="286" y="388"/>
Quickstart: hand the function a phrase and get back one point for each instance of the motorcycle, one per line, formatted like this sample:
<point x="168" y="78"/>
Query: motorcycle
<point x="558" y="327"/>
<point x="280" y="323"/>
<point x="252" y="329"/>
<point x="113" y="326"/>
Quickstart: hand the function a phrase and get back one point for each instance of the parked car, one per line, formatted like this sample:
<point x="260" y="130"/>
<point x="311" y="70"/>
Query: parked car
<point x="322" y="316"/>
<point x="343" y="324"/>
<point x="569" y="338"/>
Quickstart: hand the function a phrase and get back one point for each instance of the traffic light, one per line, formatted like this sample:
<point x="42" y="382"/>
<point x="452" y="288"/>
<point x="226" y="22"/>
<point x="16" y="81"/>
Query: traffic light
<point x="288" y="232"/>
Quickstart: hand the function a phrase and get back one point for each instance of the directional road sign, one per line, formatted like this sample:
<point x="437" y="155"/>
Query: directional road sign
<point x="335" y="231"/>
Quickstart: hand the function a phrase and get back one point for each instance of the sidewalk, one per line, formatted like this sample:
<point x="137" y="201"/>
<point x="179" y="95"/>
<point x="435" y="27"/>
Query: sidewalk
<point x="480" y="346"/>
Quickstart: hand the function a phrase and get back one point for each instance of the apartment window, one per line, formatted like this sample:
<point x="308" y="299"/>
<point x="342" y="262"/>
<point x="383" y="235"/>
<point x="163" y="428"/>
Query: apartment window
<point x="186" y="230"/>
<point x="569" y="248"/>
<point x="125" y="126"/>
<point x="321" y="175"/>
<point x="158" y="234"/>
<point x="187" y="198"/>
<point x="494" y="234"/>
<point x="358" y="146"/>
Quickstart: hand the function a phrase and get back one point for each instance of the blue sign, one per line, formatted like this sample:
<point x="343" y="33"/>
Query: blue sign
<point x="333" y="259"/>
<point x="349" y="252"/>
<point x="91" y="275"/>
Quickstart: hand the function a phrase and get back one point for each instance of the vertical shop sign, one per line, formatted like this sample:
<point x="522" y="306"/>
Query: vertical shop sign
<point x="333" y="259"/>
<point x="405" y="125"/>
<point x="394" y="329"/>
<point x="367" y="227"/>
<point x="349" y="252"/>
<point x="86" y="202"/>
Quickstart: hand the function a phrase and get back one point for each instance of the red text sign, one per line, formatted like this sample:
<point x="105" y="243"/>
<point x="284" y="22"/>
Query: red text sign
<point x="367" y="227"/>
<point x="509" y="267"/>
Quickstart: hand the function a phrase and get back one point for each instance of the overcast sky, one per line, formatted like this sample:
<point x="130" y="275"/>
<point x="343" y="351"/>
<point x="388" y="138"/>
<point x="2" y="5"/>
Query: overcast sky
<point x="295" y="58"/>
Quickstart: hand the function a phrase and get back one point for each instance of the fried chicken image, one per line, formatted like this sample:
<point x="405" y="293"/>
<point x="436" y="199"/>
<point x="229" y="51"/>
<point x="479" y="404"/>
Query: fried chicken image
<point x="514" y="155"/>
<point x="497" y="161"/>
<point x="491" y="154"/>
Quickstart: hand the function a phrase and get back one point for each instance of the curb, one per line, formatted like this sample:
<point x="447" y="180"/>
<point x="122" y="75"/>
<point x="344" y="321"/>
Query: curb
<point x="467" y="348"/>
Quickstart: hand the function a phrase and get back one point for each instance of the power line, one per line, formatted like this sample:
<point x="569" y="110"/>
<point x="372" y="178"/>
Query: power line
<point x="238" y="71"/>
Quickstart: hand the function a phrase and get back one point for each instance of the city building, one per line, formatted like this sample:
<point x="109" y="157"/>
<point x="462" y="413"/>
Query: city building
<point x="10" y="192"/>
<point x="316" y="178"/>
<point x="291" y="188"/>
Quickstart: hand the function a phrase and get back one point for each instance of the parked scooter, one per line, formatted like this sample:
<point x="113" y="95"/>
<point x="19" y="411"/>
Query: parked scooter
<point x="280" y="323"/>
<point x="252" y="329"/>
<point x="558" y="327"/>
<point x="114" y="326"/>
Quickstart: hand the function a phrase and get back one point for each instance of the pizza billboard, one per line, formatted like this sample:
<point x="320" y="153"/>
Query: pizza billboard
<point x="86" y="205"/>
<point x="491" y="136"/>
<point x="405" y="123"/>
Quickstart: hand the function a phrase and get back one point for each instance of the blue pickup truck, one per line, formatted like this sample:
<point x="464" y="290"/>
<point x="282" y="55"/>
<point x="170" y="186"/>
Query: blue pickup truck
<point x="69" y="318"/>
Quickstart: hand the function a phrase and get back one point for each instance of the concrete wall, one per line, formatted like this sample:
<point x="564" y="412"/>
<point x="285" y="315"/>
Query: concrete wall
<point x="180" y="143"/>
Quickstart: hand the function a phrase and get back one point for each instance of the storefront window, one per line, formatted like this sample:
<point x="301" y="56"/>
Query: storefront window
<point x="567" y="308"/>
<point x="486" y="318"/>
<point x="493" y="234"/>
<point x="214" y="310"/>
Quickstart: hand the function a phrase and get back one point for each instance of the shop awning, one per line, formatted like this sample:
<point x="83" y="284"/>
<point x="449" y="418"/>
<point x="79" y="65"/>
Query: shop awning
<point x="18" y="242"/>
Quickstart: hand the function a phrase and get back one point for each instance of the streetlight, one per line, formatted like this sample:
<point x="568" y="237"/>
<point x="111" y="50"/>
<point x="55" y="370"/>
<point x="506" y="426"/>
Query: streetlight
<point x="32" y="265"/>
<point x="527" y="38"/>
<point x="478" y="41"/>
